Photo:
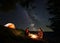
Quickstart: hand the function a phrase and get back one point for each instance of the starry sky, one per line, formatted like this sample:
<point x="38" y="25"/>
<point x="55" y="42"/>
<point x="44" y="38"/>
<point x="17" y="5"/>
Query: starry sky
<point x="20" y="17"/>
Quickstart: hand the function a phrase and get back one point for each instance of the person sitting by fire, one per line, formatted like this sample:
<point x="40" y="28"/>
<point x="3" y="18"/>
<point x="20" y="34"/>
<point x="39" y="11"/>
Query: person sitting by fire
<point x="40" y="33"/>
<point x="27" y="31"/>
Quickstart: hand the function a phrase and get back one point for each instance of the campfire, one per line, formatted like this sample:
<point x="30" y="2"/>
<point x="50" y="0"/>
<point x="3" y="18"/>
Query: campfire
<point x="33" y="36"/>
<point x="38" y="35"/>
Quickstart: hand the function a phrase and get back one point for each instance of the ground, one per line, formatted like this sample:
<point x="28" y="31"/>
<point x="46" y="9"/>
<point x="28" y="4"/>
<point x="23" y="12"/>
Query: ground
<point x="8" y="36"/>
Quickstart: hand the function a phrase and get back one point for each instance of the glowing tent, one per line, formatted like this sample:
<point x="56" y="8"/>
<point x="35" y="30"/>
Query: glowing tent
<point x="10" y="25"/>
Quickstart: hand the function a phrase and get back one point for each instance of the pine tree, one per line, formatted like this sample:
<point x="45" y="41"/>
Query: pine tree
<point x="54" y="9"/>
<point x="7" y="5"/>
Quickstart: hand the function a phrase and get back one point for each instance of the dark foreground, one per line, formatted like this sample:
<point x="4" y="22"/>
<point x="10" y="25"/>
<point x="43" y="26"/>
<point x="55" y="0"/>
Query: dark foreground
<point x="6" y="36"/>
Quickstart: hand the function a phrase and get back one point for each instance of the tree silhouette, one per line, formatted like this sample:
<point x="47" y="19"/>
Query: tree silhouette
<point x="54" y="9"/>
<point x="7" y="5"/>
<point x="27" y="3"/>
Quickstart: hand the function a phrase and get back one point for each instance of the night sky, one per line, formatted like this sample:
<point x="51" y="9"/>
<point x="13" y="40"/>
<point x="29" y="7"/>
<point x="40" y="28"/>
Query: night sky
<point x="20" y="17"/>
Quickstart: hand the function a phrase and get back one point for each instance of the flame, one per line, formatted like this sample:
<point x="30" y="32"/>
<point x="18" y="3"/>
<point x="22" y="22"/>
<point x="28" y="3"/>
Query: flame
<point x="33" y="36"/>
<point x="36" y="36"/>
<point x="10" y="25"/>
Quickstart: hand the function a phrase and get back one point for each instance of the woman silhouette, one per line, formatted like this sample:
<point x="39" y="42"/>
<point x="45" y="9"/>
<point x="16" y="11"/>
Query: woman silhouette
<point x="40" y="33"/>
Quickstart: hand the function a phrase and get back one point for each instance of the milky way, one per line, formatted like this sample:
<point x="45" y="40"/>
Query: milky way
<point x="23" y="18"/>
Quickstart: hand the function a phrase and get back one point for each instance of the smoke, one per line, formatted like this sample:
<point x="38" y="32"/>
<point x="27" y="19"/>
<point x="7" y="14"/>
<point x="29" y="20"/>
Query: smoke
<point x="31" y="17"/>
<point x="35" y="18"/>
